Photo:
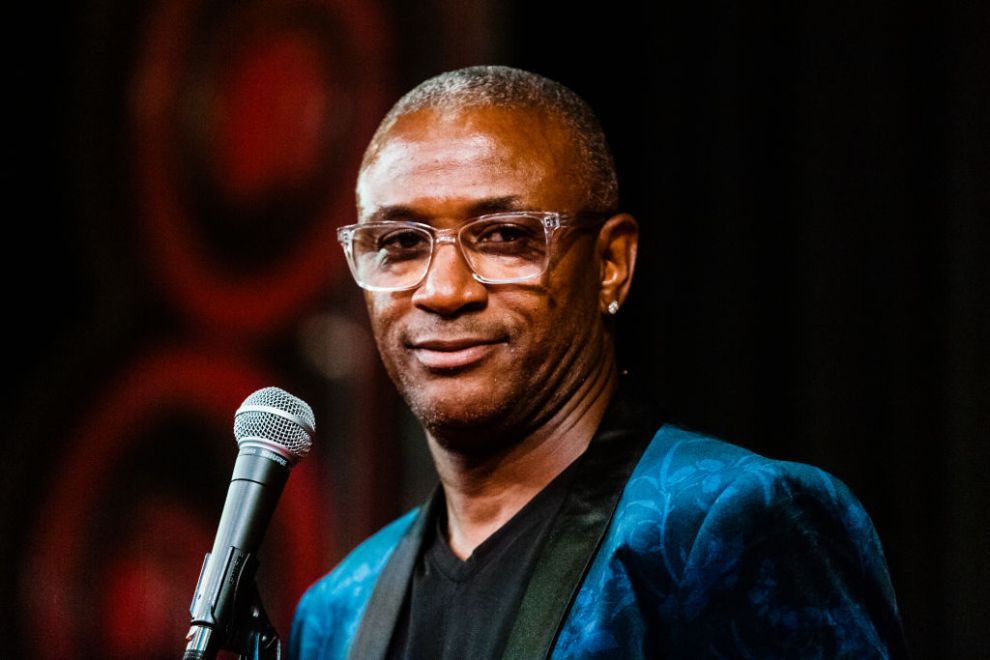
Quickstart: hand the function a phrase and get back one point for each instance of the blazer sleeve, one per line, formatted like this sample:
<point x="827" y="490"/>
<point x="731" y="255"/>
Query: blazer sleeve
<point x="786" y="564"/>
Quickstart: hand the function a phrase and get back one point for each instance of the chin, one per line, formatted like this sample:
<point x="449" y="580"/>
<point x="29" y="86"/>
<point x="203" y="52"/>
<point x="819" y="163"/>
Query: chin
<point x="460" y="413"/>
<point x="465" y="398"/>
<point x="470" y="439"/>
<point x="463" y="423"/>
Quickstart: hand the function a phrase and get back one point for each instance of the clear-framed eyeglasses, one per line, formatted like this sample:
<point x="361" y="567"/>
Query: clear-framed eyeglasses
<point x="499" y="248"/>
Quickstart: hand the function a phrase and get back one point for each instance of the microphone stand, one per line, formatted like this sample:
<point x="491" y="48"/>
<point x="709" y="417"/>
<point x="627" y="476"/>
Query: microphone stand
<point x="252" y="634"/>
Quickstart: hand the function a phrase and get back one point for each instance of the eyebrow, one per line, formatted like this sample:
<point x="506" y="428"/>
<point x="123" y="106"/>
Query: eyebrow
<point x="496" y="205"/>
<point x="481" y="207"/>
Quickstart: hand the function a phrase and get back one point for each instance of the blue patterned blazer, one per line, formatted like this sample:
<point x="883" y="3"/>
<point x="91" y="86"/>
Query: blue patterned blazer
<point x="670" y="545"/>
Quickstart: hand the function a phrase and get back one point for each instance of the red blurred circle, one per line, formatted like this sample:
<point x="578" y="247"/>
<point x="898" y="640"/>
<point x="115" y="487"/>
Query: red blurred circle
<point x="268" y="121"/>
<point x="273" y="106"/>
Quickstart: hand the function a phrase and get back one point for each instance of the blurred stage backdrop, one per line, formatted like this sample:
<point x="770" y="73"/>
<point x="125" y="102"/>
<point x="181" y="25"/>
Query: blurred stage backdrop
<point x="812" y="184"/>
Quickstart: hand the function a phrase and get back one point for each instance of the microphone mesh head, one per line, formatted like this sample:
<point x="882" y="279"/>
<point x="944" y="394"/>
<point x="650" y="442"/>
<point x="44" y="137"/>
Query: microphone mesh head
<point x="274" y="414"/>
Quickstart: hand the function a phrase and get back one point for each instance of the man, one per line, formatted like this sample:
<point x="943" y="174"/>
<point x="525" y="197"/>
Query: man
<point x="494" y="260"/>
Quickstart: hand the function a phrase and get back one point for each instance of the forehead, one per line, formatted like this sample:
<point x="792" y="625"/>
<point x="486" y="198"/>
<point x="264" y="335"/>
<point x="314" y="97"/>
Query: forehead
<point x="443" y="162"/>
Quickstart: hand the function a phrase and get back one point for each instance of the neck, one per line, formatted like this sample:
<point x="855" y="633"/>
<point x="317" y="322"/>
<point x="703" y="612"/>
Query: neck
<point x="483" y="493"/>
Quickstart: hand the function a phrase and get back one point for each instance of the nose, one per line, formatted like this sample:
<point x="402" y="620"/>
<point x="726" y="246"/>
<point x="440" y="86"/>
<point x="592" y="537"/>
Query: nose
<point x="449" y="287"/>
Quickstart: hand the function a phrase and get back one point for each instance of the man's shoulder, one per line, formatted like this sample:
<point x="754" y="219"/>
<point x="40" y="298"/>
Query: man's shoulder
<point x="329" y="612"/>
<point x="686" y="480"/>
<point x="708" y="535"/>
<point x="361" y="567"/>
<point x="694" y="500"/>
<point x="681" y="463"/>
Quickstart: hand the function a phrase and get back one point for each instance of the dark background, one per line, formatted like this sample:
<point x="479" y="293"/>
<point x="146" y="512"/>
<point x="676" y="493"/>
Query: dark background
<point x="811" y="183"/>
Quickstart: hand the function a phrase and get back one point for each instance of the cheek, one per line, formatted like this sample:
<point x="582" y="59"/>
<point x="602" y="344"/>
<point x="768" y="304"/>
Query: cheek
<point x="381" y="307"/>
<point x="574" y="303"/>
<point x="554" y="326"/>
<point x="383" y="311"/>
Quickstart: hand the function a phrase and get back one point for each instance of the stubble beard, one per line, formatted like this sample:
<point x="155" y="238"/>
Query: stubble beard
<point x="518" y="403"/>
<point x="489" y="422"/>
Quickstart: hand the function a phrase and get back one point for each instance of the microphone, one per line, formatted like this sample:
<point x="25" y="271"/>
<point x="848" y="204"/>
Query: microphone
<point x="274" y="431"/>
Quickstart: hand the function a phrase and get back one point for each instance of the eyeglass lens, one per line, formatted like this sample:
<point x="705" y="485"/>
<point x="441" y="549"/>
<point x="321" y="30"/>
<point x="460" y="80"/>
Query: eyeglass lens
<point x="503" y="249"/>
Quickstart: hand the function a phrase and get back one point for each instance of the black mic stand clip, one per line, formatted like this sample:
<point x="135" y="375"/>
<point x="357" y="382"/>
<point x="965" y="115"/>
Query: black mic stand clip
<point x="253" y="635"/>
<point x="250" y="632"/>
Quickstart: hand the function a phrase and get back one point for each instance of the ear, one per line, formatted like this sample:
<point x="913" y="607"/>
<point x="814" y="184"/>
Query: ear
<point x="618" y="240"/>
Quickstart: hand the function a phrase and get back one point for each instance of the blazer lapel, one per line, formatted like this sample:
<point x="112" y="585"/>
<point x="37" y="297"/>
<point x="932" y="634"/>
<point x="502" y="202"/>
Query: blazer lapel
<point x="375" y="631"/>
<point x="574" y="537"/>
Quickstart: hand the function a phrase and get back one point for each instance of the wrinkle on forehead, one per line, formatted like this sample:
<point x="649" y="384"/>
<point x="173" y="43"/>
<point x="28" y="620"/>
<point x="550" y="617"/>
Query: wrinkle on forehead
<point x="471" y="148"/>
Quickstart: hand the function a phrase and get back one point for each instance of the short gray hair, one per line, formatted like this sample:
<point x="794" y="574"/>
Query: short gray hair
<point x="506" y="87"/>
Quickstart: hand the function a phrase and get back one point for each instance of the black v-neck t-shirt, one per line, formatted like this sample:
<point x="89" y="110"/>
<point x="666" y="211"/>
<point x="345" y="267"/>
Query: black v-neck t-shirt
<point x="455" y="610"/>
<point x="465" y="609"/>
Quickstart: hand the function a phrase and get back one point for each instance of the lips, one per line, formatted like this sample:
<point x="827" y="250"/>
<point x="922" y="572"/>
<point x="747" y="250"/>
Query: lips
<point x="447" y="354"/>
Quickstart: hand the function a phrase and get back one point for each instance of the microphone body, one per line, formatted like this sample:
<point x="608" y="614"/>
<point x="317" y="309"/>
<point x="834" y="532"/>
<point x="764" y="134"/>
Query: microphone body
<point x="226" y="586"/>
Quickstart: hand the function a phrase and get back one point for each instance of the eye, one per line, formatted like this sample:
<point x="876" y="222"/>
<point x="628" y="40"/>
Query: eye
<point x="402" y="240"/>
<point x="503" y="232"/>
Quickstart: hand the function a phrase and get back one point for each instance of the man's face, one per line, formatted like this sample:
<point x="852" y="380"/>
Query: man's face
<point x="494" y="361"/>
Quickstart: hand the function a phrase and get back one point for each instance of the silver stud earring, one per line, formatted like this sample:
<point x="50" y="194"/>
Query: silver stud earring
<point x="613" y="307"/>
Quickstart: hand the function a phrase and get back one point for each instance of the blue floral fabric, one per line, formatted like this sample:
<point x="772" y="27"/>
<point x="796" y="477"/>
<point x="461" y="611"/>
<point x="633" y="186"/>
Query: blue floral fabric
<point x="713" y="551"/>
